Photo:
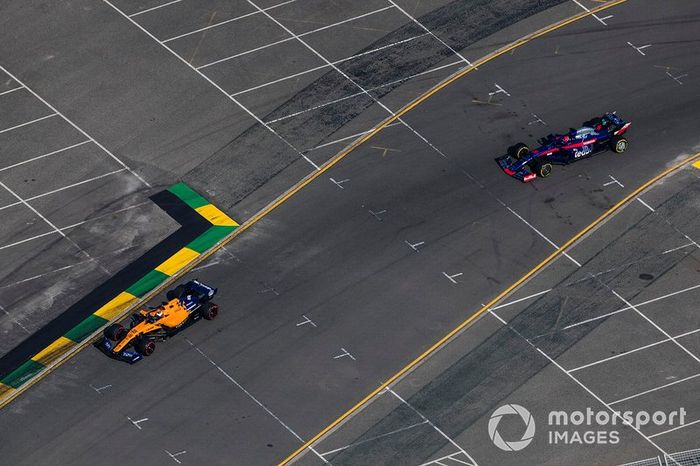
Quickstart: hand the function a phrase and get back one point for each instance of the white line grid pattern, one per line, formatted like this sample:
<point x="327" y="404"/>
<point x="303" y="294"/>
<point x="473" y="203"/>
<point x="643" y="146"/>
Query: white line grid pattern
<point x="337" y="62"/>
<point x="26" y="201"/>
<point x="608" y="405"/>
<point x="230" y="20"/>
<point x="437" y="429"/>
<point x="292" y="35"/>
<point x="218" y="87"/>
<point x="685" y="458"/>
<point x="358" y="94"/>
<point x="455" y="459"/>
<point x="327" y="64"/>
<point x="364" y="91"/>
<point x="253" y="398"/>
<point x="55" y="228"/>
<point x="70" y="122"/>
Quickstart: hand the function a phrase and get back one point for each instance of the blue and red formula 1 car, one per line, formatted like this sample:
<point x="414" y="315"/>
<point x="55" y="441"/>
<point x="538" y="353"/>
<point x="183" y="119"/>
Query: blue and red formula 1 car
<point x="595" y="136"/>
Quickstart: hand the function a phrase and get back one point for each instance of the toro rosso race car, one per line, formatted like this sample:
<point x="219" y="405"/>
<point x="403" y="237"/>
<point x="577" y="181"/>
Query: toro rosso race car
<point x="595" y="136"/>
<point x="186" y="304"/>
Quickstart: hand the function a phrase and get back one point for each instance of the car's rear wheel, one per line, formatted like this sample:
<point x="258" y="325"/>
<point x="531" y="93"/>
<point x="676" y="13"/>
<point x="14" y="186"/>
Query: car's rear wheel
<point x="519" y="150"/>
<point x="618" y="144"/>
<point x="115" y="332"/>
<point x="176" y="293"/>
<point x="541" y="169"/>
<point x="209" y="311"/>
<point x="145" y="346"/>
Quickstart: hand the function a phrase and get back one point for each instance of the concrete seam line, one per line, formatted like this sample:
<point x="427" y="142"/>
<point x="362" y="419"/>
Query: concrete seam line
<point x="75" y="339"/>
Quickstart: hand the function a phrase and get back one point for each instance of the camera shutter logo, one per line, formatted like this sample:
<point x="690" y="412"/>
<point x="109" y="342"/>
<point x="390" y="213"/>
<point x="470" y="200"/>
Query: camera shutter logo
<point x="527" y="436"/>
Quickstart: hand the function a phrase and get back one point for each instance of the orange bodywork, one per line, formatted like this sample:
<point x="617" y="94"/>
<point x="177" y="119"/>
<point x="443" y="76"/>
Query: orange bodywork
<point x="169" y="315"/>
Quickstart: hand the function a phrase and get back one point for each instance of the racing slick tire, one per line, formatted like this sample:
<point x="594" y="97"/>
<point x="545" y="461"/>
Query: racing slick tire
<point x="115" y="332"/>
<point x="519" y="150"/>
<point x="618" y="144"/>
<point x="176" y="293"/>
<point x="541" y="169"/>
<point x="209" y="311"/>
<point x="145" y="346"/>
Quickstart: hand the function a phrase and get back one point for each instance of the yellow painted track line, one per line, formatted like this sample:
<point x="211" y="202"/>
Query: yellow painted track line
<point x="303" y="183"/>
<point x="695" y="158"/>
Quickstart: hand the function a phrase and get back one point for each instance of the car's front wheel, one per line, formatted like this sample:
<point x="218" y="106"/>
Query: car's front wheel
<point x="145" y="346"/>
<point x="115" y="332"/>
<point x="541" y="169"/>
<point x="618" y="144"/>
<point x="519" y="150"/>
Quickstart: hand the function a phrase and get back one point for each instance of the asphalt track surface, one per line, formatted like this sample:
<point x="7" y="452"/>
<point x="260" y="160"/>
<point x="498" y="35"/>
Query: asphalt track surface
<point x="209" y="87"/>
<point x="360" y="275"/>
<point x="623" y="329"/>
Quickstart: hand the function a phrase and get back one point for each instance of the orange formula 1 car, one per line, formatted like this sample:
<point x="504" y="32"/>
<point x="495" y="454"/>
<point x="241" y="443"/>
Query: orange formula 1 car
<point x="186" y="304"/>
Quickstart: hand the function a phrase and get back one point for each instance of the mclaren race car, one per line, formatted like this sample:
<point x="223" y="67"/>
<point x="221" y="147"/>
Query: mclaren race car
<point x="187" y="303"/>
<point x="595" y="136"/>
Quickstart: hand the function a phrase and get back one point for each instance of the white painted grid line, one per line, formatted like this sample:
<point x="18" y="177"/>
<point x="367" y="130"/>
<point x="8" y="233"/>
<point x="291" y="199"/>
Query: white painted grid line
<point x="640" y="48"/>
<point x="412" y="18"/>
<point x="552" y="243"/>
<point x="437" y="429"/>
<point x="44" y="155"/>
<point x="627" y="398"/>
<point x="345" y="75"/>
<point x="645" y="204"/>
<point x="175" y="455"/>
<point x="25" y="240"/>
<point x="54" y="227"/>
<point x="601" y="20"/>
<point x="452" y="277"/>
<point x="320" y="67"/>
<point x="136" y="423"/>
<point x="678" y="248"/>
<point x="68" y="227"/>
<point x="219" y="88"/>
<point x="377" y="437"/>
<point x="578" y="382"/>
<point x="292" y="35"/>
<point x="237" y="18"/>
<point x="363" y="92"/>
<point x="77" y="264"/>
<point x="497" y="317"/>
<point x="510" y="303"/>
<point x="12" y="90"/>
<point x="63" y="188"/>
<point x="626" y="308"/>
<point x="610" y="358"/>
<point x="17" y="322"/>
<point x="70" y="122"/>
<point x="354" y="136"/>
<point x="675" y="428"/>
<point x="450" y="457"/>
<point x="690" y="353"/>
<point x="249" y="395"/>
<point x="27" y="123"/>
<point x="153" y="8"/>
<point x="612" y="411"/>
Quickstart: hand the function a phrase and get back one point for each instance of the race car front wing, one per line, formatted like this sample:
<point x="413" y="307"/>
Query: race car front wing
<point x="524" y="174"/>
<point x="105" y="345"/>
